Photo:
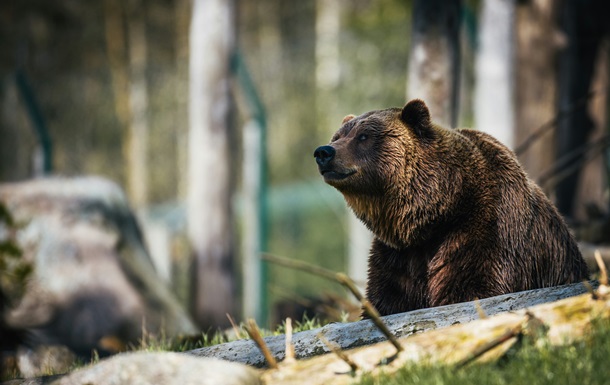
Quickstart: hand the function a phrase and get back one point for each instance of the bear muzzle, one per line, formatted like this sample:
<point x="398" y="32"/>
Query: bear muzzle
<point x="324" y="156"/>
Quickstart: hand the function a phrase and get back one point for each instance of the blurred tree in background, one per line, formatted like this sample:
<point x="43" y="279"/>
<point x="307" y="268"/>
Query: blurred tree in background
<point x="212" y="159"/>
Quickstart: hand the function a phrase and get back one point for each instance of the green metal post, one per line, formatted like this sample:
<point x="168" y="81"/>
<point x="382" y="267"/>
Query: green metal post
<point x="37" y="118"/>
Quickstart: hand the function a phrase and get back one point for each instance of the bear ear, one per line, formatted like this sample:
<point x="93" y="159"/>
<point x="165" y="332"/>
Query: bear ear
<point x="416" y="116"/>
<point x="347" y="119"/>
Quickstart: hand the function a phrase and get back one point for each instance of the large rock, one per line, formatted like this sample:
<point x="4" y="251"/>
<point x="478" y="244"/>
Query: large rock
<point x="162" y="368"/>
<point x="93" y="285"/>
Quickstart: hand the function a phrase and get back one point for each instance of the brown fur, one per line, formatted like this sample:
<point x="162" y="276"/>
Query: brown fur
<point x="454" y="215"/>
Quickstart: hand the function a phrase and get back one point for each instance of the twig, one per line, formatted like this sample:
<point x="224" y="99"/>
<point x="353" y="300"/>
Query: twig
<point x="335" y="349"/>
<point x="603" y="290"/>
<point x="370" y="310"/>
<point x="590" y="289"/>
<point x="234" y="326"/>
<point x="479" y="309"/>
<point x="347" y="282"/>
<point x="254" y="333"/>
<point x="300" y="265"/>
<point x="510" y="333"/>
<point x="575" y="160"/>
<point x="290" y="355"/>
<point x="551" y="124"/>
<point x="603" y="273"/>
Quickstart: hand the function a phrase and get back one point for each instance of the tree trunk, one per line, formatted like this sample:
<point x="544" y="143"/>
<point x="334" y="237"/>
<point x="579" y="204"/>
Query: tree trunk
<point x="536" y="50"/>
<point x="182" y="15"/>
<point x="137" y="145"/>
<point x="210" y="163"/>
<point x="584" y="24"/>
<point x="494" y="110"/>
<point x="16" y="133"/>
<point x="435" y="57"/>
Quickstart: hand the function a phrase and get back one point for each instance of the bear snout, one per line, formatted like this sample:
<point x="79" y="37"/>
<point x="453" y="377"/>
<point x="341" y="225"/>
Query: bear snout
<point x="323" y="155"/>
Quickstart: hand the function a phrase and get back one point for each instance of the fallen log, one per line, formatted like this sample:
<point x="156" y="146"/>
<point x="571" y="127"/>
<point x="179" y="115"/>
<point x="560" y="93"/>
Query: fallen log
<point x="355" y="334"/>
<point x="557" y="323"/>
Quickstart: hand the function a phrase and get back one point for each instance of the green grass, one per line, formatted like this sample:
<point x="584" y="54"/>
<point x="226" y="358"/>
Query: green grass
<point x="584" y="363"/>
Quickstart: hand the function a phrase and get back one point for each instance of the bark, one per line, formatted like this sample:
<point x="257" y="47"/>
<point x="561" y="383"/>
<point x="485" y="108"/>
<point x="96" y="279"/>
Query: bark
<point x="350" y="335"/>
<point x="210" y="164"/>
<point x="435" y="57"/>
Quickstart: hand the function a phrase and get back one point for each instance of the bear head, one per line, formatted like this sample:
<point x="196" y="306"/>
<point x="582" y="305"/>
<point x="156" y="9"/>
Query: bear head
<point x="371" y="152"/>
<point x="383" y="164"/>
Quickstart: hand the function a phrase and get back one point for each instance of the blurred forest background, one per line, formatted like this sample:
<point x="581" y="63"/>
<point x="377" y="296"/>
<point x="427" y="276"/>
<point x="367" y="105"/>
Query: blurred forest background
<point x="104" y="87"/>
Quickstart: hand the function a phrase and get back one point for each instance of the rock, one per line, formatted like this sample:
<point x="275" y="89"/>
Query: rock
<point x="162" y="368"/>
<point x="93" y="285"/>
<point x="44" y="359"/>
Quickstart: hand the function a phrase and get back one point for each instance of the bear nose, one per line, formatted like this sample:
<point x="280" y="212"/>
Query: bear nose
<point x="324" y="154"/>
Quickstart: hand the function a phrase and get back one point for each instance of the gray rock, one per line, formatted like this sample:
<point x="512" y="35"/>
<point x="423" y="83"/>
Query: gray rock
<point x="93" y="285"/>
<point x="162" y="368"/>
<point x="44" y="359"/>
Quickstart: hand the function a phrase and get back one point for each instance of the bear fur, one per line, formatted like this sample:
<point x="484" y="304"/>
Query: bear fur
<point x="454" y="215"/>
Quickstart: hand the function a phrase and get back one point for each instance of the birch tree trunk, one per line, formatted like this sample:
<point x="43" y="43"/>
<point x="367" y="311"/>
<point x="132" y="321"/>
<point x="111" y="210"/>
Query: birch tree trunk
<point x="212" y="40"/>
<point x="137" y="145"/>
<point x="494" y="109"/>
<point x="435" y="57"/>
<point x="182" y="15"/>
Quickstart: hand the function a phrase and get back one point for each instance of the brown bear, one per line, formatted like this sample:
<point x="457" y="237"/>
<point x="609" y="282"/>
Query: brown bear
<point x="454" y="215"/>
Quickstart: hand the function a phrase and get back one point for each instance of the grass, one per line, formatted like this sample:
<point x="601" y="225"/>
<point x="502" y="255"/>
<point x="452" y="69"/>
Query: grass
<point x="585" y="363"/>
<point x="152" y="342"/>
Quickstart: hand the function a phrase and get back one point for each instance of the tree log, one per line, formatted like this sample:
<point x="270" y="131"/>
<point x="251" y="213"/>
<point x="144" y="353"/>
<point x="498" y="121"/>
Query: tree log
<point x="557" y="323"/>
<point x="350" y="335"/>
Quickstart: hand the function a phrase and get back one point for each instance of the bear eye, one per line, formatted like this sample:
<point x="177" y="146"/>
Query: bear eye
<point x="362" y="137"/>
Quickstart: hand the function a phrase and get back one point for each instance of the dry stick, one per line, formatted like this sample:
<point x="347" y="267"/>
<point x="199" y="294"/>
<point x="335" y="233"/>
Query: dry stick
<point x="290" y="355"/>
<point x="255" y="335"/>
<point x="579" y="157"/>
<point x="300" y="265"/>
<point x="347" y="282"/>
<point x="335" y="349"/>
<point x="603" y="273"/>
<point x="479" y="309"/>
<point x="510" y="333"/>
<point x="234" y="325"/>
<point x="369" y="309"/>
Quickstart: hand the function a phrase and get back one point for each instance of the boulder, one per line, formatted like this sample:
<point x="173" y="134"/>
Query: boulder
<point x="162" y="368"/>
<point x="93" y="284"/>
